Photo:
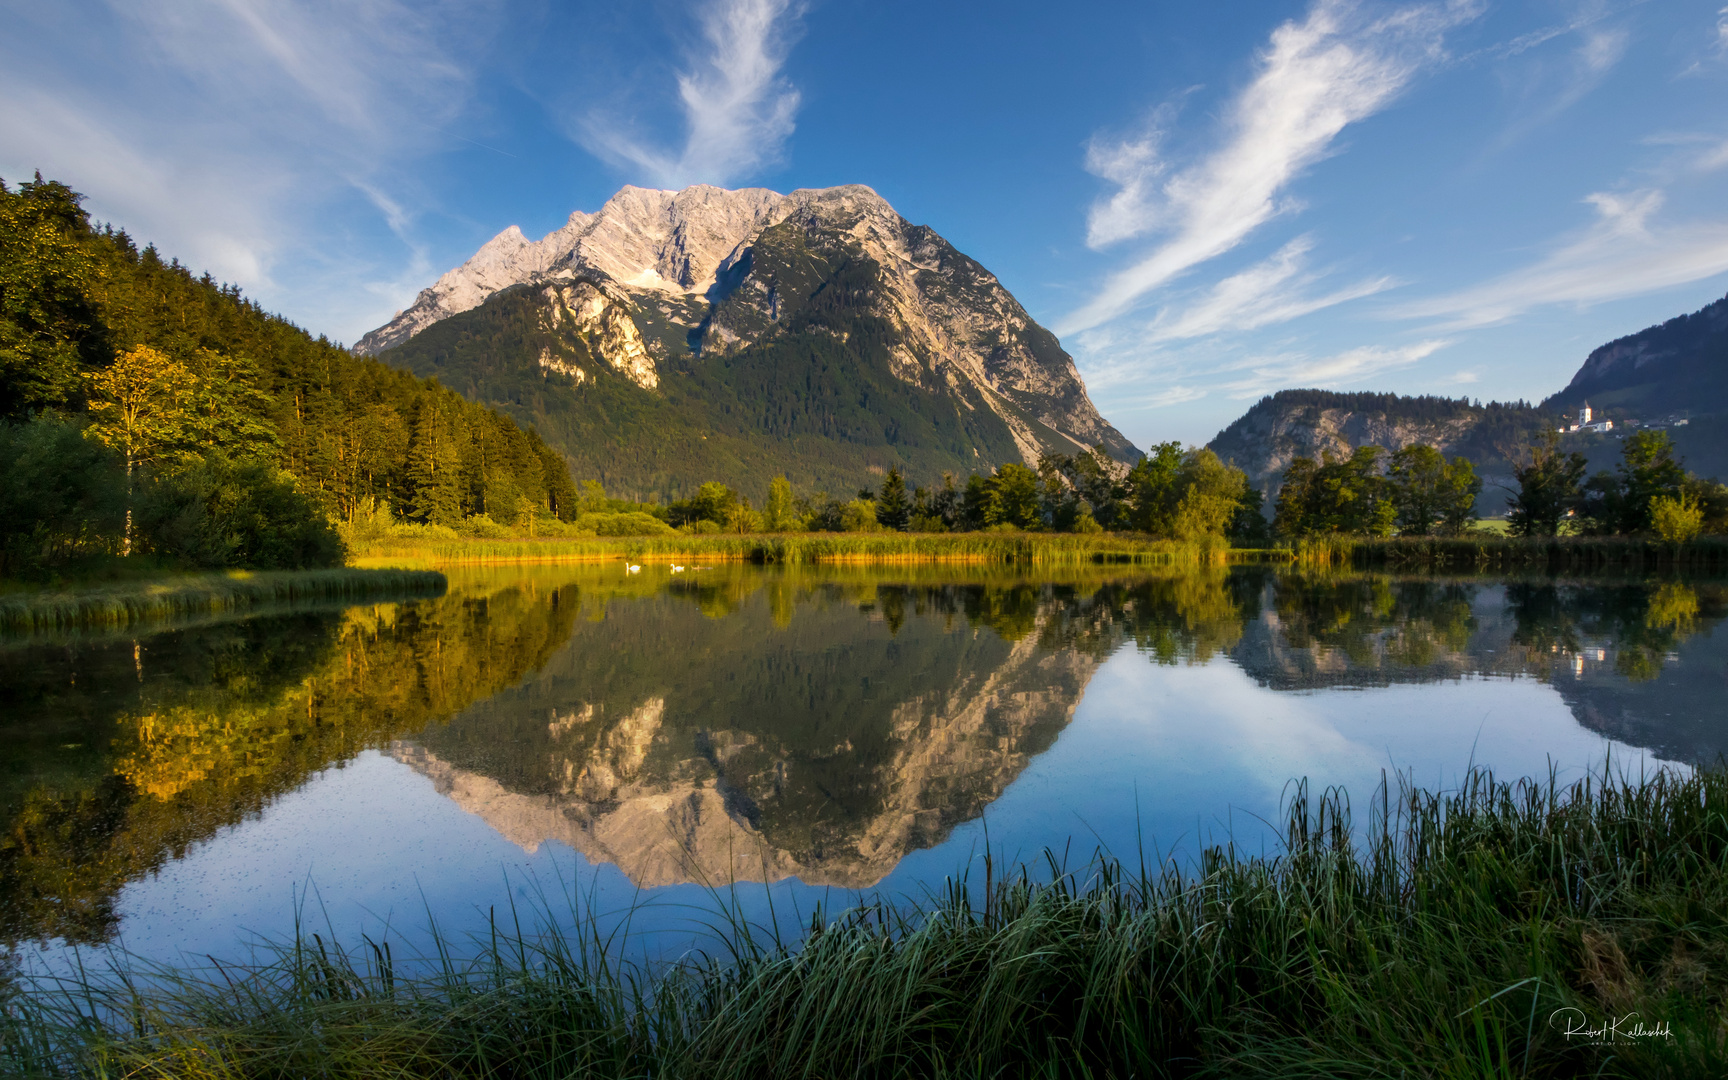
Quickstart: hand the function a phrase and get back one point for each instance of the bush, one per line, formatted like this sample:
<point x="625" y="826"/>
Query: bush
<point x="221" y="514"/>
<point x="859" y="515"/>
<point x="62" y="497"/>
<point x="701" y="527"/>
<point x="482" y="527"/>
<point x="1676" y="520"/>
<point x="633" y="523"/>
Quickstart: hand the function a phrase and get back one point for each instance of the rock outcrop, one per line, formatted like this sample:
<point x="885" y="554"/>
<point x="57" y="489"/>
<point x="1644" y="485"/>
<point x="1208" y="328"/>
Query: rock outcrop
<point x="1312" y="423"/>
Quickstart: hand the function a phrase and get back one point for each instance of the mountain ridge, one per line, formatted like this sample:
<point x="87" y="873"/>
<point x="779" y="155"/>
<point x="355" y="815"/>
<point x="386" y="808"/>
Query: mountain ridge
<point x="1676" y="370"/>
<point x="818" y="332"/>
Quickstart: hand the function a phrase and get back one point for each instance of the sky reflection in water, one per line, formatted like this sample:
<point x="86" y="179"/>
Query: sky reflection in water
<point x="538" y="735"/>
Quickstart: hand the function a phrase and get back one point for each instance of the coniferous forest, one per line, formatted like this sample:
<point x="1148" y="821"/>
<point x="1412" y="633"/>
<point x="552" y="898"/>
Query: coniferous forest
<point x="145" y="410"/>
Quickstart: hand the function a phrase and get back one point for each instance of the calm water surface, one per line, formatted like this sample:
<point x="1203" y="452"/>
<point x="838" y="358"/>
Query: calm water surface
<point x="588" y="743"/>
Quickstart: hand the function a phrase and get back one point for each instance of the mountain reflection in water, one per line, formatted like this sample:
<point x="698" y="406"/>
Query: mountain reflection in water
<point x="741" y="723"/>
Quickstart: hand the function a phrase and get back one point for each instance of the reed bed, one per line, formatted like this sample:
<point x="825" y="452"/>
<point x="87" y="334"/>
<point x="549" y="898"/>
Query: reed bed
<point x="195" y="595"/>
<point x="1038" y="549"/>
<point x="1565" y="554"/>
<point x="1454" y="934"/>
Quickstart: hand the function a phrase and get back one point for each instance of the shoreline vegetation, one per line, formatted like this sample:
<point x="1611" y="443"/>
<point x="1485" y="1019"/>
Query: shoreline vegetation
<point x="1495" y="929"/>
<point x="112" y="606"/>
<point x="1486" y="552"/>
<point x="1036" y="549"/>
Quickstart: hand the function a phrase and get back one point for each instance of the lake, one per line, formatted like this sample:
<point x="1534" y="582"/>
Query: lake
<point x="637" y="754"/>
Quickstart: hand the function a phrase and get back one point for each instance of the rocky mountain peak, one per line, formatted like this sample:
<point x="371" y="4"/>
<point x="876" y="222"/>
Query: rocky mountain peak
<point x="822" y="279"/>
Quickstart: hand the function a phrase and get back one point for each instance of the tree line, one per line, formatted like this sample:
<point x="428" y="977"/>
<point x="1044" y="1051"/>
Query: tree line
<point x="1184" y="494"/>
<point x="1417" y="491"/>
<point x="1649" y="493"/>
<point x="145" y="410"/>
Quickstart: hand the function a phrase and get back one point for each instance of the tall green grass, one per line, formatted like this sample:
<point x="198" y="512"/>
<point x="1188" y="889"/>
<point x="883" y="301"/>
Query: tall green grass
<point x="1450" y="935"/>
<point x="204" y="594"/>
<point x="1055" y="549"/>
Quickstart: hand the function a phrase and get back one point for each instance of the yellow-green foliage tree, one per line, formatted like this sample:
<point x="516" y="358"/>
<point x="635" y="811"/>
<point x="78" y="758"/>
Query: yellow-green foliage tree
<point x="1676" y="519"/>
<point x="778" y="513"/>
<point x="141" y="407"/>
<point x="1211" y="492"/>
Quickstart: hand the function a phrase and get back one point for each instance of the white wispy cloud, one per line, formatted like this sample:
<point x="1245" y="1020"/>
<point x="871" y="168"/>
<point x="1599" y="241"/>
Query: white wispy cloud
<point x="1342" y="63"/>
<point x="1275" y="290"/>
<point x="1350" y="367"/>
<point x="226" y="130"/>
<point x="1624" y="252"/>
<point x="738" y="107"/>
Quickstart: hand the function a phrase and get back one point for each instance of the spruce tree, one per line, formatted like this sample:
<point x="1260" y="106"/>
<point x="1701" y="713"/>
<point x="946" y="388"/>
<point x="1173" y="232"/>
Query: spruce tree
<point x="893" y="508"/>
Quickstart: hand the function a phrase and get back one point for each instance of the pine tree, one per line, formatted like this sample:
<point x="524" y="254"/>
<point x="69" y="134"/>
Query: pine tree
<point x="435" y="467"/>
<point x="893" y="508"/>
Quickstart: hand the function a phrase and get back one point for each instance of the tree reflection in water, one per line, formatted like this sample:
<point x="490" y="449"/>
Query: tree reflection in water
<point x="743" y="722"/>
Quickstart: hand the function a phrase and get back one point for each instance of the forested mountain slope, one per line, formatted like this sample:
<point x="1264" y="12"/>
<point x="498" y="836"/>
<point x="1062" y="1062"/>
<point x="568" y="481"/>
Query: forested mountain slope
<point x="222" y="376"/>
<point x="677" y="337"/>
<point x="1680" y="366"/>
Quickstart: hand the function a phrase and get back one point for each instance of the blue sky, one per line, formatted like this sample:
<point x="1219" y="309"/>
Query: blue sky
<point x="1208" y="202"/>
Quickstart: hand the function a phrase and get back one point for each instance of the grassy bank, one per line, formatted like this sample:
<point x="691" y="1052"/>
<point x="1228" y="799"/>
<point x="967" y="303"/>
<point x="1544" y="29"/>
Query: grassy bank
<point x="129" y="603"/>
<point x="1459" y="935"/>
<point x="1043" y="549"/>
<point x="1553" y="554"/>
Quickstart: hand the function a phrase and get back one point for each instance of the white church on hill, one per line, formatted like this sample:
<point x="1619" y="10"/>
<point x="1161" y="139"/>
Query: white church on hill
<point x="1584" y="423"/>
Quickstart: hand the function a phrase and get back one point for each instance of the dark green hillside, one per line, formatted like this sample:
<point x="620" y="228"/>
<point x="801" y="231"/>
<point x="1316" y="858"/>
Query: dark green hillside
<point x="232" y="393"/>
<point x="816" y="400"/>
<point x="1679" y="367"/>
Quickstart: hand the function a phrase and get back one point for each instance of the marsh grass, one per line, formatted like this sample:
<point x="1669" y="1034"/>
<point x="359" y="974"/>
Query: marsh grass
<point x="194" y="595"/>
<point x="1439" y="939"/>
<point x="1500" y="552"/>
<point x="1037" y="549"/>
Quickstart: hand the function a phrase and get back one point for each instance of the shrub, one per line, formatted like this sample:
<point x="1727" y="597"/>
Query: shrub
<point x="62" y="497"/>
<point x="1676" y="520"/>
<point x="859" y="515"/>
<point x="634" y="523"/>
<point x="482" y="527"/>
<point x="220" y="513"/>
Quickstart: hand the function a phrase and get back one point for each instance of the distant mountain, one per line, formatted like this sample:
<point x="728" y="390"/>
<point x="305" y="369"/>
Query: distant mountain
<point x="1680" y="367"/>
<point x="1676" y="370"/>
<point x="677" y="337"/>
<point x="1309" y="423"/>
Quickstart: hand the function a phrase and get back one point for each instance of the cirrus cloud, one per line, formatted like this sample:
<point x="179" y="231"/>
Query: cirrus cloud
<point x="738" y="108"/>
<point x="1344" y="62"/>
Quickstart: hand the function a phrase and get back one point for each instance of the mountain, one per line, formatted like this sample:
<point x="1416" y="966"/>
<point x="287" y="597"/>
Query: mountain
<point x="1307" y="423"/>
<point x="1680" y="367"/>
<point x="1675" y="371"/>
<point x="1678" y="370"/>
<point x="703" y="334"/>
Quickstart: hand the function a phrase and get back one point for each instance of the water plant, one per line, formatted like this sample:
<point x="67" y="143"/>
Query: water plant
<point x="1039" y="549"/>
<point x="1495" y="929"/>
<point x="125" y="604"/>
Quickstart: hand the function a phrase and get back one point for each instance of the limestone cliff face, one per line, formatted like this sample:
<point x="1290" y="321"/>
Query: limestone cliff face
<point x="597" y="313"/>
<point x="715" y="271"/>
<point x="1265" y="441"/>
<point x="618" y="796"/>
<point x="1312" y="423"/>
